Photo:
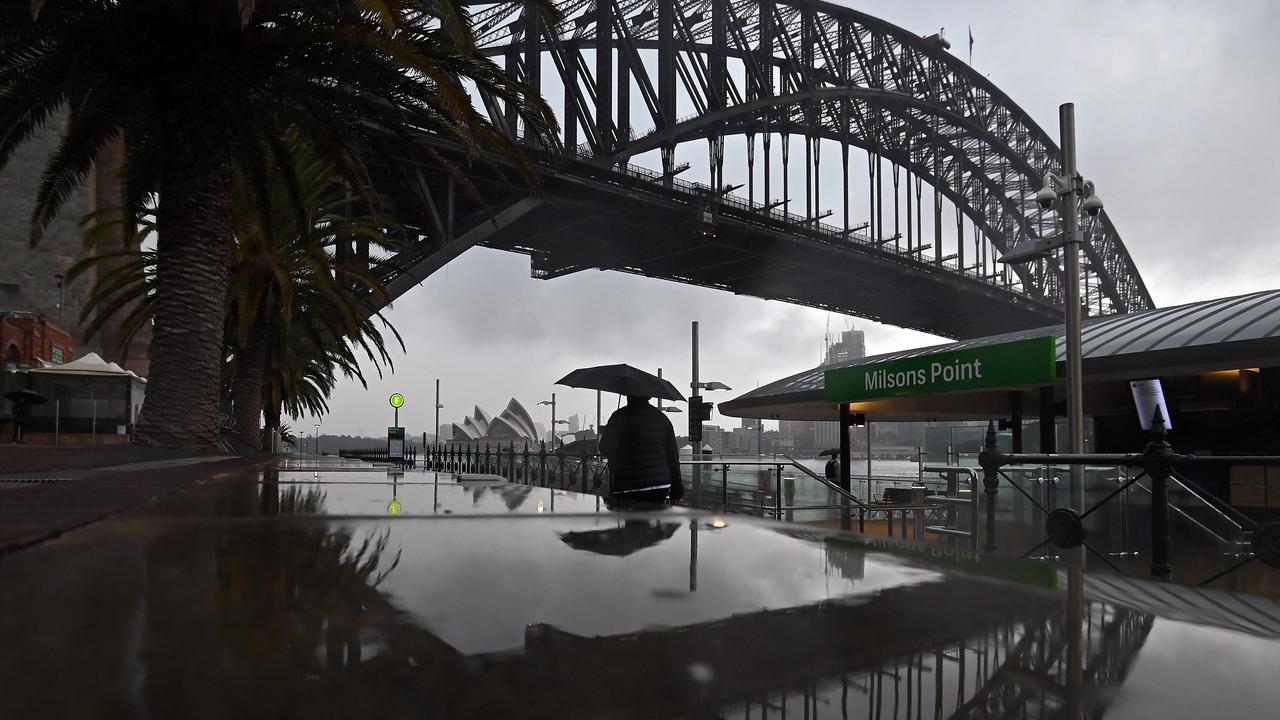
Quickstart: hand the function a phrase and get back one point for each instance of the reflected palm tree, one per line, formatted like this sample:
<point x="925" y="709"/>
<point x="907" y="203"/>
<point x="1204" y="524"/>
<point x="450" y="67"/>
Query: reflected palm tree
<point x="290" y="593"/>
<point x="293" y="500"/>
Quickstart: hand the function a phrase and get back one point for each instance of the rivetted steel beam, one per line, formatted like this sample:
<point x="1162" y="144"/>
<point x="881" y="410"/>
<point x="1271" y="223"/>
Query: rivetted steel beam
<point x="804" y="42"/>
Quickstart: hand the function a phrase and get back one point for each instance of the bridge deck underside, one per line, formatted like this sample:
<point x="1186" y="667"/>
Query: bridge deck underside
<point x="579" y="227"/>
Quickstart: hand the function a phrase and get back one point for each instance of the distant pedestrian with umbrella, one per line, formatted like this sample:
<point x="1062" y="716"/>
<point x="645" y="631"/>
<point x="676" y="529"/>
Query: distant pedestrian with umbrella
<point x="833" y="464"/>
<point x="22" y="401"/>
<point x="638" y="441"/>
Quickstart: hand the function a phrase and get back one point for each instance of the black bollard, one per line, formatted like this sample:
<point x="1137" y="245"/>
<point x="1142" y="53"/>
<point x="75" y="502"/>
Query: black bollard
<point x="1155" y="460"/>
<point x="989" y="459"/>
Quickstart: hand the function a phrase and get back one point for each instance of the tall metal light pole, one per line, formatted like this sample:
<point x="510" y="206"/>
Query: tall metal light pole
<point x="552" y="403"/>
<point x="695" y="424"/>
<point x="317" y="436"/>
<point x="436" y="429"/>
<point x="1073" y="193"/>
<point x="1071" y="232"/>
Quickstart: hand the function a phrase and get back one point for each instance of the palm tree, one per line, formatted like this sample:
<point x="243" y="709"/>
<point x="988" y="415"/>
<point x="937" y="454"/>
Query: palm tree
<point x="287" y="271"/>
<point x="297" y="314"/>
<point x="193" y="86"/>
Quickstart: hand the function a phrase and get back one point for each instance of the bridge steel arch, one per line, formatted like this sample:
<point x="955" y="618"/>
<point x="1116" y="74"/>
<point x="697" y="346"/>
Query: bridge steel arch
<point x="818" y="71"/>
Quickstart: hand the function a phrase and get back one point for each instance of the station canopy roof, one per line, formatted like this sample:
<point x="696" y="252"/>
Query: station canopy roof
<point x="1214" y="335"/>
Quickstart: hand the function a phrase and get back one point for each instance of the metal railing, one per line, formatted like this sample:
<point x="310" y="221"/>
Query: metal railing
<point x="409" y="458"/>
<point x="778" y="510"/>
<point x="585" y="472"/>
<point x="1235" y="539"/>
<point x="952" y="500"/>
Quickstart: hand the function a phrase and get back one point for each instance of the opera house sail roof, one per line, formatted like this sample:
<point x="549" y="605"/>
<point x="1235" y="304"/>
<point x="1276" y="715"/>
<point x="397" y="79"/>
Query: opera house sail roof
<point x="513" y="424"/>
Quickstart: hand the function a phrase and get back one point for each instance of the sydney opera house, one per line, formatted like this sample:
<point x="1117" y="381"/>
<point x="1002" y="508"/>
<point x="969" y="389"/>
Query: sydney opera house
<point x="511" y="425"/>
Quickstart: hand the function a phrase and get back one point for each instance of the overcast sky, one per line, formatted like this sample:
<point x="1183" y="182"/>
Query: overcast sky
<point x="1176" y="106"/>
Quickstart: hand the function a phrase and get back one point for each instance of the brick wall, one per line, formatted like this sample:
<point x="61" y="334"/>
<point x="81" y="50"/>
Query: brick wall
<point x="26" y="338"/>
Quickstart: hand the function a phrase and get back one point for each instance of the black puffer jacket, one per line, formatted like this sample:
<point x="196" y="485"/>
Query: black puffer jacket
<point x="641" y="447"/>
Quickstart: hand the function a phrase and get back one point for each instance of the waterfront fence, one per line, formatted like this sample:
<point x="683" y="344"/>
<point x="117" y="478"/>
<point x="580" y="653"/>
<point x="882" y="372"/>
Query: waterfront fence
<point x="377" y="455"/>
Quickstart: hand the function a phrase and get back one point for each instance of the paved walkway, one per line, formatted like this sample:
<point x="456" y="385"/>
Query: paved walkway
<point x="47" y="491"/>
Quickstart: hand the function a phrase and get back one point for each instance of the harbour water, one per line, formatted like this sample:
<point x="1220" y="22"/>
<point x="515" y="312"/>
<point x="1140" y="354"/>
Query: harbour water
<point x="754" y="477"/>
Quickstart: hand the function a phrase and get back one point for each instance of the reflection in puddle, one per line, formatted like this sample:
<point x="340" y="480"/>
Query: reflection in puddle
<point x="630" y="536"/>
<point x="276" y="602"/>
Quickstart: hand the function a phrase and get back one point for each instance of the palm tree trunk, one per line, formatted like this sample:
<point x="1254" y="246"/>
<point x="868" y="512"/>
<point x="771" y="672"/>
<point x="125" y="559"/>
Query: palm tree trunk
<point x="193" y="255"/>
<point x="246" y="388"/>
<point x="270" y="408"/>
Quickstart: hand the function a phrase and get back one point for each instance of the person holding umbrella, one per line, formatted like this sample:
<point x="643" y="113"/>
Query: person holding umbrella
<point x="638" y="441"/>
<point x="22" y="401"/>
<point x="833" y="465"/>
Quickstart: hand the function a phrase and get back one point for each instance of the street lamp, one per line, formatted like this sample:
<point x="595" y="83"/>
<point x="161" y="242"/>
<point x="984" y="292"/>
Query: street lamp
<point x="62" y="294"/>
<point x="552" y="403"/>
<point x="436" y="430"/>
<point x="554" y="438"/>
<point x="1073" y="193"/>
<point x="317" y="440"/>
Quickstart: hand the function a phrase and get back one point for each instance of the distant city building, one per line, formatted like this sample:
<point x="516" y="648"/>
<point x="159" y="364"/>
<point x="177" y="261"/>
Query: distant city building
<point x="444" y="432"/>
<point x="751" y="423"/>
<point x="851" y="346"/>
<point x="575" y="423"/>
<point x="826" y="435"/>
<point x="714" y="436"/>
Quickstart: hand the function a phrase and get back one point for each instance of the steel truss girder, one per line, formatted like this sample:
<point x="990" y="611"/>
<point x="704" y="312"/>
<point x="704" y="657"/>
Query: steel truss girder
<point x="905" y="140"/>
<point x="816" y="51"/>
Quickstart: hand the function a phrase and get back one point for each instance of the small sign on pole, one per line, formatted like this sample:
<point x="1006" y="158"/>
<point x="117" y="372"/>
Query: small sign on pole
<point x="1147" y="396"/>
<point x="395" y="443"/>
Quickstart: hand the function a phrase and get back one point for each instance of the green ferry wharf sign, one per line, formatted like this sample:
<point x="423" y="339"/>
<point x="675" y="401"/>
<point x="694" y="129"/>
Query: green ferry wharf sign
<point x="1021" y="362"/>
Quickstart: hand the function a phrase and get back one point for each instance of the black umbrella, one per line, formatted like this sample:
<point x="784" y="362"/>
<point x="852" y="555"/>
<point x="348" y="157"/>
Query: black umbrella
<point x="632" y="536"/>
<point x="31" y="397"/>
<point x="621" y="379"/>
<point x="833" y="452"/>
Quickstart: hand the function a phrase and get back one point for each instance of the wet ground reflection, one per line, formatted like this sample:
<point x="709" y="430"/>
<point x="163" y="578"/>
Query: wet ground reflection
<point x="265" y="601"/>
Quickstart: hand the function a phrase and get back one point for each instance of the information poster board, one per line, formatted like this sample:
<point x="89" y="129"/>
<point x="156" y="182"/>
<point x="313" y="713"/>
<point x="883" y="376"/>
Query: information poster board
<point x="395" y="443"/>
<point x="1147" y="396"/>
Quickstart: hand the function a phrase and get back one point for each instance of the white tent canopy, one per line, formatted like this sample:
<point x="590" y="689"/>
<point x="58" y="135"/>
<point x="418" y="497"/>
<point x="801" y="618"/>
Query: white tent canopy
<point x="90" y="364"/>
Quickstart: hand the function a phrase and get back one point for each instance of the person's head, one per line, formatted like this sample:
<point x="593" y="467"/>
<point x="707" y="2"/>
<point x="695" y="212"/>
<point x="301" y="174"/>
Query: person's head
<point x="637" y="400"/>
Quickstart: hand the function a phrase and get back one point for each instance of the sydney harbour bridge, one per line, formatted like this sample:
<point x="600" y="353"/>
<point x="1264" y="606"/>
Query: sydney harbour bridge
<point x="783" y="149"/>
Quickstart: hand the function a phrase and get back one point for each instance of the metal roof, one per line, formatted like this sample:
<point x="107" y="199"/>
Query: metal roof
<point x="1213" y="334"/>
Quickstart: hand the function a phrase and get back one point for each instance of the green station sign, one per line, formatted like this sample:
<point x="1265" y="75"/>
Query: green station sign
<point x="1021" y="362"/>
